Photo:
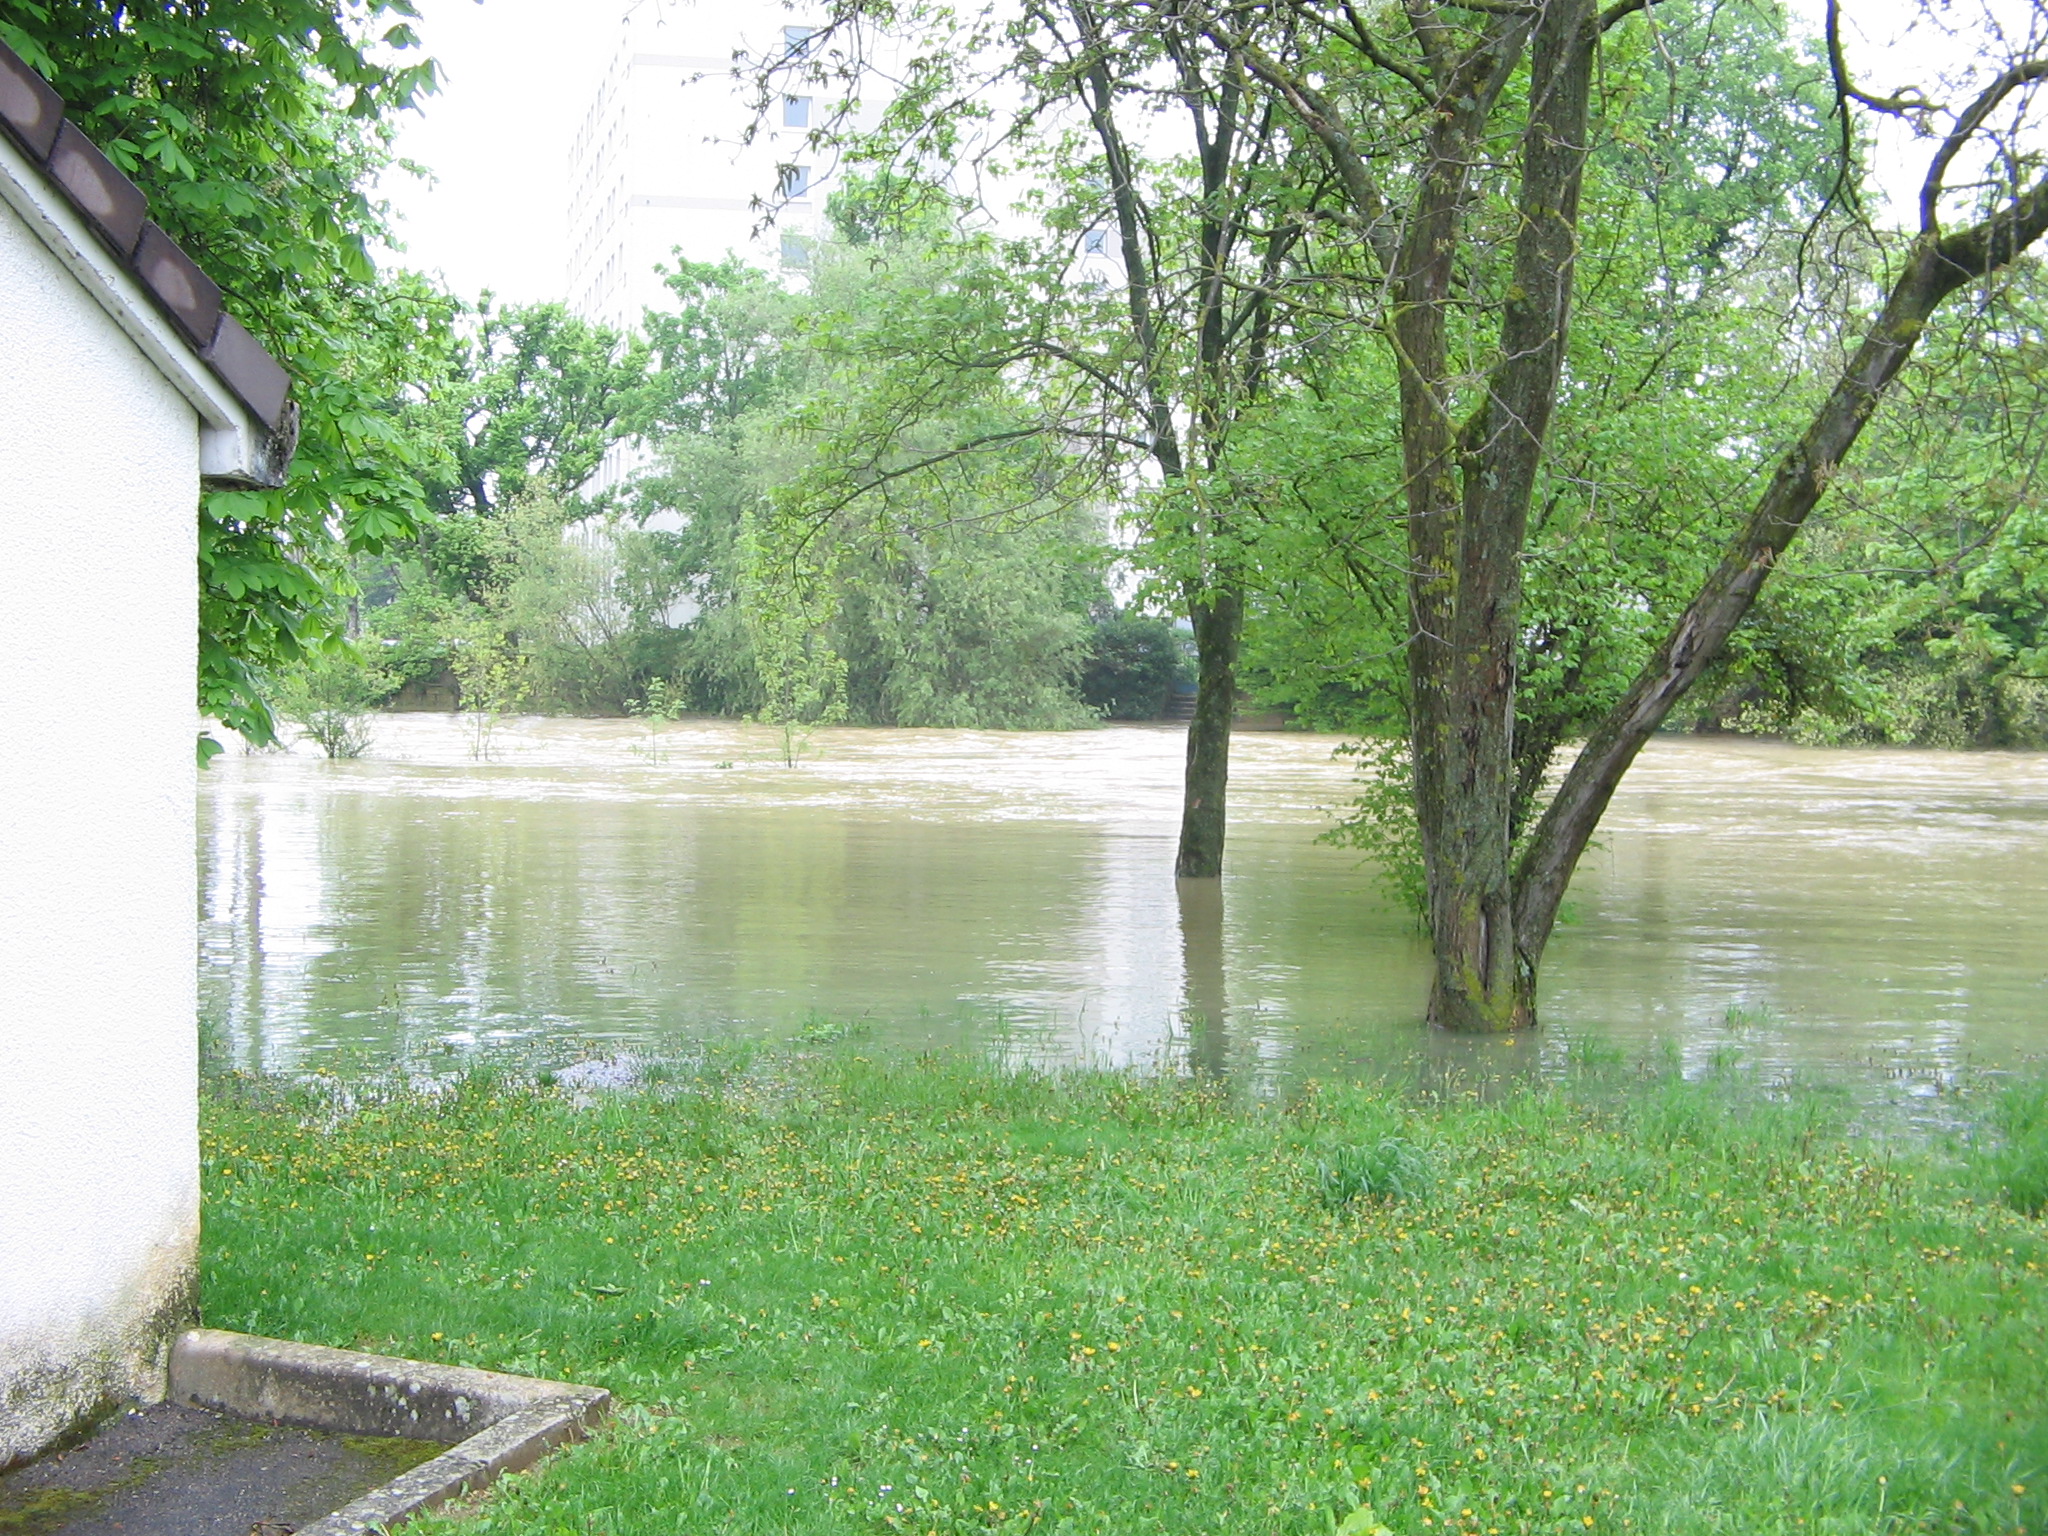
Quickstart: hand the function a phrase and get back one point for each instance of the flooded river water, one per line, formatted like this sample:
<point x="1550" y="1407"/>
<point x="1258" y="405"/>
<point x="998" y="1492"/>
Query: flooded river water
<point x="1880" y="914"/>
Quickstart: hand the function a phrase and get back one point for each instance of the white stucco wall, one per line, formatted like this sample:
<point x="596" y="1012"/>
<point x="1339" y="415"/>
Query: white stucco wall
<point x="99" y="1170"/>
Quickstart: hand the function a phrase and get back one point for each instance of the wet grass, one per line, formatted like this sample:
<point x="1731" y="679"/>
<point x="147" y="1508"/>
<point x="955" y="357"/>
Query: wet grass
<point x="839" y="1295"/>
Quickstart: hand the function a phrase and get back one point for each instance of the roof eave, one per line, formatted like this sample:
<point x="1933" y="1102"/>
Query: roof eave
<point x="236" y="449"/>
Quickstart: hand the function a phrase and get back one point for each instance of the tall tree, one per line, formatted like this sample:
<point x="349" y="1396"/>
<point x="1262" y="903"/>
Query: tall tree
<point x="1426" y="125"/>
<point x="530" y="399"/>
<point x="1703" y="175"/>
<point x="1460" y="137"/>
<point x="865" y="536"/>
<point x="1201" y="254"/>
<point x="1148" y="320"/>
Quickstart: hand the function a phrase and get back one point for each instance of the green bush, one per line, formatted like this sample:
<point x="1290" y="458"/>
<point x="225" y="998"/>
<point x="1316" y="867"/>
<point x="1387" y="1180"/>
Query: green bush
<point x="1380" y="822"/>
<point x="1133" y="663"/>
<point x="329" y="698"/>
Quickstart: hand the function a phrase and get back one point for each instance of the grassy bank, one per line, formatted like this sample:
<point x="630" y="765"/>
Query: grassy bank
<point x="851" y="1296"/>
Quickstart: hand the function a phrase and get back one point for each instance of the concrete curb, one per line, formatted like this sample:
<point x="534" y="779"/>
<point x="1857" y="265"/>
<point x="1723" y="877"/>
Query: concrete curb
<point x="501" y="1423"/>
<point x="510" y="1445"/>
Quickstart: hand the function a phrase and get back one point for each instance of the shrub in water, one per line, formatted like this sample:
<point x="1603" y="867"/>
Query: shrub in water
<point x="1381" y="823"/>
<point x="819" y="1030"/>
<point x="329" y="699"/>
<point x="1389" y="1169"/>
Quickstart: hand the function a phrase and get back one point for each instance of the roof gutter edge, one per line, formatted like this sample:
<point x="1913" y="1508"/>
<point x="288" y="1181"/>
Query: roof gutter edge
<point x="236" y="451"/>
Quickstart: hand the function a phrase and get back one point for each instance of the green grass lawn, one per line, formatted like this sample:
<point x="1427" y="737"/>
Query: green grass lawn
<point x="842" y="1295"/>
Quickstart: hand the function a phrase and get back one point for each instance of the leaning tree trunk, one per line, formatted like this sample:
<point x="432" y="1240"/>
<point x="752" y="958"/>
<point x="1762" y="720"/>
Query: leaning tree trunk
<point x="1937" y="269"/>
<point x="1219" y="624"/>
<point x="1468" y="491"/>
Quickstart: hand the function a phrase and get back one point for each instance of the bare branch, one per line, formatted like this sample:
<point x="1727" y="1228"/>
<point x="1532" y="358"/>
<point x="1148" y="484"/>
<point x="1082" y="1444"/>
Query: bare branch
<point x="1619" y="12"/>
<point x="1361" y="36"/>
<point x="1966" y="127"/>
<point x="1323" y="120"/>
<point x="1428" y="29"/>
<point x="872" y="479"/>
<point x="1904" y="105"/>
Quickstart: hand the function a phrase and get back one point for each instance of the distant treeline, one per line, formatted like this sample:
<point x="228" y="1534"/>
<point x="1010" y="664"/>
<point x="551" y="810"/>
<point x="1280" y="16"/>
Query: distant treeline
<point x="822" y="518"/>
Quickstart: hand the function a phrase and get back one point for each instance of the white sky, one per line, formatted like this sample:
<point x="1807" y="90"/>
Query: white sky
<point x="520" y="74"/>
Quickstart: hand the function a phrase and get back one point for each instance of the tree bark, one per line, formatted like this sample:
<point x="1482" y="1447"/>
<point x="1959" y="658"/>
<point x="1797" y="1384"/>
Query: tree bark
<point x="1938" y="267"/>
<point x="1219" y="624"/>
<point x="1230" y="365"/>
<point x="1466" y="551"/>
<point x="1205" y="997"/>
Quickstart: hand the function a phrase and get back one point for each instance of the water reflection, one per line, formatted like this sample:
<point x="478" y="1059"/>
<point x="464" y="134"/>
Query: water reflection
<point x="1877" y="913"/>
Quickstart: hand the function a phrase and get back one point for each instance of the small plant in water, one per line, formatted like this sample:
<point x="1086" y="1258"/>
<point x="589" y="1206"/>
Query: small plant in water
<point x="1388" y="1169"/>
<point x="492" y="674"/>
<point x="1380" y="822"/>
<point x="1747" y="1016"/>
<point x="795" y="741"/>
<point x="329" y="699"/>
<point x="338" y="732"/>
<point x="482" y="727"/>
<point x="819" y="1030"/>
<point x="660" y="704"/>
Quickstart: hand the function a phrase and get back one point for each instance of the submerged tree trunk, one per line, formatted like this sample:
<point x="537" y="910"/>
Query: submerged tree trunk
<point x="1219" y="623"/>
<point x="1205" y="996"/>
<point x="1232" y="329"/>
<point x="1469" y="513"/>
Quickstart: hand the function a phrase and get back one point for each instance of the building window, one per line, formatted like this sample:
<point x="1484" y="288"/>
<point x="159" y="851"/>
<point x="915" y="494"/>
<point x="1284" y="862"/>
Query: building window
<point x="796" y="252"/>
<point x="797" y="40"/>
<point x="796" y="180"/>
<point x="796" y="111"/>
<point x="1095" y="242"/>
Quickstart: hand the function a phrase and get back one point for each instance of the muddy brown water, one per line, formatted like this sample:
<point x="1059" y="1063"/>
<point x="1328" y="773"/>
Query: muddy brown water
<point x="590" y="886"/>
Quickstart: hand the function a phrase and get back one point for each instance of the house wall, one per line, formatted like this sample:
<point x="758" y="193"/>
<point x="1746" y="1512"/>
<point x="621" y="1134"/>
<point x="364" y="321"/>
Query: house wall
<point x="99" y="1167"/>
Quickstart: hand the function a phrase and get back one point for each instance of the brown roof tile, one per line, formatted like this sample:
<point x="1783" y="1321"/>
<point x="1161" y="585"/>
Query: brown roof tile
<point x="31" y="111"/>
<point x="112" y="203"/>
<point x="252" y="373"/>
<point x="187" y="295"/>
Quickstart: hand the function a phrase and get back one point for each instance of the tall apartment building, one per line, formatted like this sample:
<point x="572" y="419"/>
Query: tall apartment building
<point x="663" y="163"/>
<point x="660" y="165"/>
